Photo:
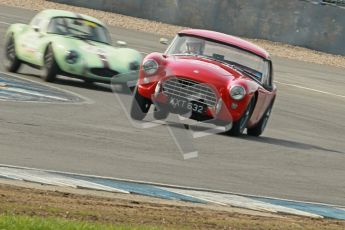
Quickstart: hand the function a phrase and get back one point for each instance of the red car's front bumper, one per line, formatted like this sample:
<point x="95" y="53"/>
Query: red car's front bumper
<point x="230" y="111"/>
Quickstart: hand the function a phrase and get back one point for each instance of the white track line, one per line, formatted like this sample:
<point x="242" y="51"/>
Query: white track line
<point x="85" y="99"/>
<point x="58" y="180"/>
<point x="241" y="202"/>
<point x="18" y="90"/>
<point x="169" y="185"/>
<point x="310" y="89"/>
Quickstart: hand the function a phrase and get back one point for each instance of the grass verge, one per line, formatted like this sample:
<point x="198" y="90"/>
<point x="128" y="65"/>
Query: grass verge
<point x="13" y="222"/>
<point x="36" y="209"/>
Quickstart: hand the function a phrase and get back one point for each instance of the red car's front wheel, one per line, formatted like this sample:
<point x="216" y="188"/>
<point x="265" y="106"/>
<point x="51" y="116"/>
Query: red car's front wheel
<point x="140" y="106"/>
<point x="239" y="126"/>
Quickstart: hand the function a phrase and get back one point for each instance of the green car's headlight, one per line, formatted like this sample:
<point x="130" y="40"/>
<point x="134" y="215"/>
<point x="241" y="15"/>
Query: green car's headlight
<point x="237" y="92"/>
<point x="134" y="65"/>
<point x="150" y="67"/>
<point x="72" y="57"/>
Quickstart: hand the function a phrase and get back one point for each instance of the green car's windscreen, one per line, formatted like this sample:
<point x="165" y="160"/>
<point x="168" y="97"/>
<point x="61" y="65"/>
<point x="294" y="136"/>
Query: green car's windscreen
<point x="79" y="28"/>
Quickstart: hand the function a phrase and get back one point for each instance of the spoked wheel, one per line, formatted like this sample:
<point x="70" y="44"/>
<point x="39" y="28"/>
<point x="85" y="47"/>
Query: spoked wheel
<point x="11" y="62"/>
<point x="140" y="106"/>
<point x="239" y="126"/>
<point x="50" y="68"/>
<point x="260" y="127"/>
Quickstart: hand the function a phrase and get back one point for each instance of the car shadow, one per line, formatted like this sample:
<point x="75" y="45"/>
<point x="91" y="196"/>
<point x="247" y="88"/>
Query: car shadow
<point x="266" y="140"/>
<point x="81" y="84"/>
<point x="74" y="82"/>
<point x="287" y="143"/>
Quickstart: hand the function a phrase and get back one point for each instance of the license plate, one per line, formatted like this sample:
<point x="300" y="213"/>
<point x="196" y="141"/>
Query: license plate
<point x="182" y="104"/>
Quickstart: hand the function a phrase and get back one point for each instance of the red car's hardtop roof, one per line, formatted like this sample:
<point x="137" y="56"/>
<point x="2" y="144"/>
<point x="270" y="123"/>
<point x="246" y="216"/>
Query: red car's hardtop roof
<point x="227" y="39"/>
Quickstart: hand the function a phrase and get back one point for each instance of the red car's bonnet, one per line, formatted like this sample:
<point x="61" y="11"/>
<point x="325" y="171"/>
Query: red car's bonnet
<point x="200" y="70"/>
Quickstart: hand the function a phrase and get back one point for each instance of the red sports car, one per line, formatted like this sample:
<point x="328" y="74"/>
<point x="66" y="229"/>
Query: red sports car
<point x="209" y="76"/>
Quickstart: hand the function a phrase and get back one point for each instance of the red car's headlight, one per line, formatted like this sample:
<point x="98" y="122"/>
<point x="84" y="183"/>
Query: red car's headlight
<point x="237" y="92"/>
<point x="150" y="67"/>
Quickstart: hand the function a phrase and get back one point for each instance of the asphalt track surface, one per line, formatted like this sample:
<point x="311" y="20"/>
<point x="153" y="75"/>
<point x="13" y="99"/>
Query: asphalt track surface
<point x="300" y="156"/>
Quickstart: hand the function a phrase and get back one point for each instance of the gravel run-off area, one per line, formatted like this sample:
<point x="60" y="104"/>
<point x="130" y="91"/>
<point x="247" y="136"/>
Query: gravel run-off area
<point x="111" y="208"/>
<point x="274" y="48"/>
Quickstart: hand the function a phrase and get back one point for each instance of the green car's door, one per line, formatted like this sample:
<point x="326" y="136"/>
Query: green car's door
<point x="31" y="40"/>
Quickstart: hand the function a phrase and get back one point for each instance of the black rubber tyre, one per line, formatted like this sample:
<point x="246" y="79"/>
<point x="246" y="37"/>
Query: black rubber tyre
<point x="50" y="68"/>
<point x="88" y="81"/>
<point x="260" y="127"/>
<point x="140" y="106"/>
<point x="186" y="126"/>
<point x="11" y="61"/>
<point x="160" y="113"/>
<point x="239" y="126"/>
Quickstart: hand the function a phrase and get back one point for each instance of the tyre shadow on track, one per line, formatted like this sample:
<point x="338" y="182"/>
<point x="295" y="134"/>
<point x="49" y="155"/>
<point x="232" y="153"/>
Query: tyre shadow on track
<point x="287" y="143"/>
<point x="267" y="140"/>
<point x="74" y="82"/>
<point x="78" y="83"/>
<point x="271" y="141"/>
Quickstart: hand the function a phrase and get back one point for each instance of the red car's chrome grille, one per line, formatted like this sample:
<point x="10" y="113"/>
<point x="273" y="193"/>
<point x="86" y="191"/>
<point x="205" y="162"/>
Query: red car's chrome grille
<point x="190" y="90"/>
<point x="104" y="72"/>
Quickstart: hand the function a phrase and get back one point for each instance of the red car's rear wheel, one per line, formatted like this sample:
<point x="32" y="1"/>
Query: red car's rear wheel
<point x="260" y="127"/>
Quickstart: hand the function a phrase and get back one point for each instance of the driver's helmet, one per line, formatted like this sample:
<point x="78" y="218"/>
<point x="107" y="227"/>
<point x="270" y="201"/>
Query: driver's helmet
<point x="195" y="46"/>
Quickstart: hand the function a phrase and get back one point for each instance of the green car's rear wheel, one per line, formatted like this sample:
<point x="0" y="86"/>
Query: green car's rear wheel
<point x="50" y="68"/>
<point x="11" y="61"/>
<point x="88" y="81"/>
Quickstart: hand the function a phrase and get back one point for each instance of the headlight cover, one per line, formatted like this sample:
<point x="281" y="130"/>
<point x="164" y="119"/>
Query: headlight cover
<point x="72" y="57"/>
<point x="150" y="67"/>
<point x="237" y="92"/>
<point x="134" y="65"/>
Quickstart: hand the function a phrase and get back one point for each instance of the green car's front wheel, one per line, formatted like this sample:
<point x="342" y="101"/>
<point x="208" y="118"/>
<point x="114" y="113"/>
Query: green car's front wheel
<point x="11" y="61"/>
<point x="50" y="68"/>
<point x="88" y="81"/>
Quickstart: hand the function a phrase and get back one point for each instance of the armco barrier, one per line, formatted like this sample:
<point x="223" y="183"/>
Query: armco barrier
<point x="295" y="22"/>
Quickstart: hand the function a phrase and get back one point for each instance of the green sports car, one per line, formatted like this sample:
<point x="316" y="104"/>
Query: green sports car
<point x="70" y="44"/>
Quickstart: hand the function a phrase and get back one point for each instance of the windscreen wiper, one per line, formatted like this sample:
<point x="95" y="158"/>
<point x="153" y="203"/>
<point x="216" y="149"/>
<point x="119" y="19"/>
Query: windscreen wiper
<point x="250" y="74"/>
